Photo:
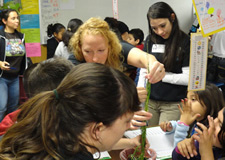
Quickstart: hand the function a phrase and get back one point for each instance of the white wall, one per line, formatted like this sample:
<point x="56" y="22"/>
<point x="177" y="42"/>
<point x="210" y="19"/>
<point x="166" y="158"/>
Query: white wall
<point x="132" y="12"/>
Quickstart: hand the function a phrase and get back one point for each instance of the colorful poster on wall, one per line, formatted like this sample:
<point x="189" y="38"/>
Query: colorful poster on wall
<point x="211" y="15"/>
<point x="198" y="62"/>
<point x="30" y="26"/>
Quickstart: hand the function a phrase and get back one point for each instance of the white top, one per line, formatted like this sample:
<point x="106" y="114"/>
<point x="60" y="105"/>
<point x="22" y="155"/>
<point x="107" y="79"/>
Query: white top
<point x="62" y="51"/>
<point x="218" y="44"/>
<point x="172" y="78"/>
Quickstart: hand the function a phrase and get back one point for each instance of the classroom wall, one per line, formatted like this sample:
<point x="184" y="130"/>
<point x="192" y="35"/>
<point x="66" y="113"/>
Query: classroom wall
<point x="132" y="12"/>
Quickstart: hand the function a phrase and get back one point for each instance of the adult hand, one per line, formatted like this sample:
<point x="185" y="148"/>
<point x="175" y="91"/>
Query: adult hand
<point x="187" y="115"/>
<point x="139" y="119"/>
<point x="205" y="139"/>
<point x="187" y="148"/>
<point x="3" y="65"/>
<point x="136" y="141"/>
<point x="166" y="126"/>
<point x="156" y="72"/>
<point x="142" y="94"/>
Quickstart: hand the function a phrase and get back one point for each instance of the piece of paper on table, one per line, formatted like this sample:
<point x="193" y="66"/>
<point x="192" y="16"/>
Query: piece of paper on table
<point x="161" y="142"/>
<point x="103" y="155"/>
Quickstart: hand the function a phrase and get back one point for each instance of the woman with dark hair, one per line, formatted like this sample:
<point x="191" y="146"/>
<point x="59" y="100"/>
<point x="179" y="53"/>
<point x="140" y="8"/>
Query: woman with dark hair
<point x="170" y="46"/>
<point x="13" y="61"/>
<point x="62" y="49"/>
<point x="55" y="33"/>
<point x="76" y="119"/>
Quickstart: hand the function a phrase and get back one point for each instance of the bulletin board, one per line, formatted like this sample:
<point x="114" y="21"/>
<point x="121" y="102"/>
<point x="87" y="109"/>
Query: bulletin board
<point x="211" y="15"/>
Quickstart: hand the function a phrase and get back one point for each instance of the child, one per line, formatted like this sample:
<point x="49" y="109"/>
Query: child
<point x="55" y="33"/>
<point x="62" y="49"/>
<point x="40" y="77"/>
<point x="76" y="119"/>
<point x="196" y="107"/>
<point x="207" y="144"/>
<point x="136" y="37"/>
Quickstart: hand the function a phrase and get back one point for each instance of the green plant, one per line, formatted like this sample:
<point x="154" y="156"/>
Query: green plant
<point x="11" y="5"/>
<point x="143" y="130"/>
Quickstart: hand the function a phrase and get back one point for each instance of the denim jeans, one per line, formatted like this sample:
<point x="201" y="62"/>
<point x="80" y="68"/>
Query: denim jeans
<point x="9" y="95"/>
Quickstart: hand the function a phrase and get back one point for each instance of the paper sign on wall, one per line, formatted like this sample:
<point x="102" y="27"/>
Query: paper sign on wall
<point x="211" y="15"/>
<point x="198" y="62"/>
<point x="115" y="9"/>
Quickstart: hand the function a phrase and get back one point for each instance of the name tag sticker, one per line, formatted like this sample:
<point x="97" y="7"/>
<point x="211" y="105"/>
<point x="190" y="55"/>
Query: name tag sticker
<point x="158" y="48"/>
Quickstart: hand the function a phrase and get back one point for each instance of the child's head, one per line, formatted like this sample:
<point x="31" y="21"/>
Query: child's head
<point x="56" y="30"/>
<point x="206" y="102"/>
<point x="219" y="122"/>
<point x="135" y="37"/>
<point x="45" y="75"/>
<point x="72" y="27"/>
<point x="78" y="116"/>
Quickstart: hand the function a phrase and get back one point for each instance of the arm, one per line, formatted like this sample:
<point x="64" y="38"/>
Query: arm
<point x="141" y="59"/>
<point x="179" y="79"/>
<point x="129" y="143"/>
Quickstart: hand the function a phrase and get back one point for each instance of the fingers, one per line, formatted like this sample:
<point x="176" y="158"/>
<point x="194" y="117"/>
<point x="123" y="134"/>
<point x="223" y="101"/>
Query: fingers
<point x="142" y="115"/>
<point x="157" y="72"/>
<point x="142" y="93"/>
<point x="180" y="109"/>
<point x="183" y="150"/>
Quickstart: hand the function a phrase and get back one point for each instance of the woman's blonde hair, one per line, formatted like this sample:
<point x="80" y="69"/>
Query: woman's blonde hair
<point x="97" y="26"/>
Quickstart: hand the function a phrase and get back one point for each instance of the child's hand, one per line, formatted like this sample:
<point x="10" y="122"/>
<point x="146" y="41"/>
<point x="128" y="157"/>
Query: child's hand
<point x="205" y="138"/>
<point x="187" y="115"/>
<point x="166" y="126"/>
<point x="187" y="148"/>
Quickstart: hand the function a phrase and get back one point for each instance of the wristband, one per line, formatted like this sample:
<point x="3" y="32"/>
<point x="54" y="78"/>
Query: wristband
<point x="182" y="123"/>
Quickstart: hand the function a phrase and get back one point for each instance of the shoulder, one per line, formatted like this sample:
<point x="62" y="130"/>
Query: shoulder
<point x="73" y="59"/>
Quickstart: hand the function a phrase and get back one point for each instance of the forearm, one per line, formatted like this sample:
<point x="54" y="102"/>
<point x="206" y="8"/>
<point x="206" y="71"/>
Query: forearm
<point x="179" y="79"/>
<point x="140" y="58"/>
<point x="123" y="143"/>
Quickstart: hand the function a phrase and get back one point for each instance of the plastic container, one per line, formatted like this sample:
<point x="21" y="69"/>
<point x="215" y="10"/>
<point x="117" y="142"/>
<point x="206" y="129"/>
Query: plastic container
<point x="150" y="154"/>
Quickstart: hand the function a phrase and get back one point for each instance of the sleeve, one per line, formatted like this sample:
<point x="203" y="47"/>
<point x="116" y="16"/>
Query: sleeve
<point x="142" y="80"/>
<point x="179" y="79"/>
<point x="51" y="47"/>
<point x="59" y="50"/>
<point x="180" y="133"/>
<point x="8" y="121"/>
<point x="126" y="47"/>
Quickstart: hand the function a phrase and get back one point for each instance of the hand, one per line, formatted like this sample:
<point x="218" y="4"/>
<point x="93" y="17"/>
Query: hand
<point x="136" y="141"/>
<point x="157" y="72"/>
<point x="139" y="119"/>
<point x="3" y="65"/>
<point x="166" y="126"/>
<point x="205" y="139"/>
<point x="142" y="93"/>
<point x="187" y="148"/>
<point x="187" y="114"/>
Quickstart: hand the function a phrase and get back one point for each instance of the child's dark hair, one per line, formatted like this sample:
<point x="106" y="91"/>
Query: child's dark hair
<point x="46" y="75"/>
<point x="72" y="27"/>
<point x="4" y="14"/>
<point x="221" y="134"/>
<point x="137" y="34"/>
<point x="54" y="28"/>
<point x="212" y="99"/>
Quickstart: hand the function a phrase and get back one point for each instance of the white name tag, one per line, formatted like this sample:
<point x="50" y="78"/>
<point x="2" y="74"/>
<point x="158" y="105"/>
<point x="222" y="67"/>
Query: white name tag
<point x="158" y="48"/>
